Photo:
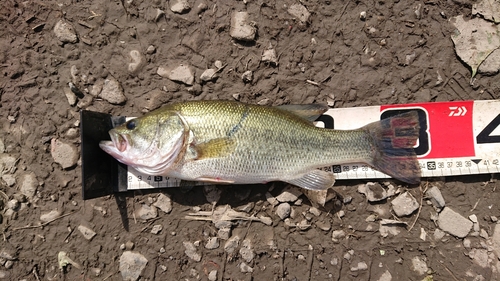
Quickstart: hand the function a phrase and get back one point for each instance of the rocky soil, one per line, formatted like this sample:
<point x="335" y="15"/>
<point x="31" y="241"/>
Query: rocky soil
<point x="130" y="57"/>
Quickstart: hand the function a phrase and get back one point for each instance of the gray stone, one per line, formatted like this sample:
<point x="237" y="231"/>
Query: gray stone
<point x="2" y="146"/>
<point x="300" y="12"/>
<point x="224" y="233"/>
<point x="9" y="179"/>
<point x="112" y="92"/>
<point x="164" y="203"/>
<point x="65" y="154"/>
<point x="208" y="75"/>
<point x="374" y="192"/>
<point x="266" y="220"/>
<point x="179" y="6"/>
<point x="50" y="216"/>
<point x="434" y="194"/>
<point x="386" y="276"/>
<point x="324" y="225"/>
<point x="454" y="223"/>
<point x="28" y="185"/>
<point x="156" y="228"/>
<point x="146" y="212"/>
<point x="231" y="244"/>
<point x="315" y="211"/>
<point x="246" y="251"/>
<point x="290" y="194"/>
<point x="271" y="199"/>
<point x="137" y="61"/>
<point x="212" y="276"/>
<point x="360" y="266"/>
<point x="419" y="265"/>
<point x="480" y="257"/>
<point x="65" y="32"/>
<point x="337" y="235"/>
<point x="270" y="56"/>
<point x="7" y="164"/>
<point x="241" y="28"/>
<point x="212" y="243"/>
<point x="247" y="76"/>
<point x="283" y="210"/>
<point x="86" y="232"/>
<point x="404" y="205"/>
<point x="191" y="251"/>
<point x="495" y="240"/>
<point x="131" y="265"/>
<point x="181" y="73"/>
<point x="70" y="96"/>
<point x="245" y="268"/>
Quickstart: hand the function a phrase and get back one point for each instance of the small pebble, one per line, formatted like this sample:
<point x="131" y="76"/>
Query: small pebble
<point x="315" y="211"/>
<point x="246" y="251"/>
<point x="180" y="6"/>
<point x="493" y="219"/>
<point x="374" y="192"/>
<point x="146" y="212"/>
<point x="241" y="29"/>
<point x="405" y="204"/>
<point x="360" y="266"/>
<point x="150" y="50"/>
<point x="300" y="12"/>
<point x="212" y="243"/>
<point x="164" y="203"/>
<point x="454" y="223"/>
<point x="191" y="251"/>
<point x="180" y="73"/>
<point x="65" y="154"/>
<point x="271" y="199"/>
<point x="231" y="244"/>
<point x="362" y="15"/>
<point x="419" y="265"/>
<point x="208" y="75"/>
<point x="112" y="92"/>
<point x="283" y="210"/>
<point x="156" y="228"/>
<point x="137" y="61"/>
<point x="50" y="216"/>
<point x="212" y="276"/>
<point x="467" y="243"/>
<point x="224" y="233"/>
<point x="86" y="232"/>
<point x="434" y="194"/>
<point x="337" y="235"/>
<point x="247" y="76"/>
<point x="245" y="268"/>
<point x="290" y="194"/>
<point x="325" y="226"/>
<point x="131" y="265"/>
<point x="65" y="32"/>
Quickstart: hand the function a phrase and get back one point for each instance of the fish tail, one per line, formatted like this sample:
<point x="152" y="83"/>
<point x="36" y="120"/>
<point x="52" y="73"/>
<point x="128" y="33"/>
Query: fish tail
<point x="392" y="144"/>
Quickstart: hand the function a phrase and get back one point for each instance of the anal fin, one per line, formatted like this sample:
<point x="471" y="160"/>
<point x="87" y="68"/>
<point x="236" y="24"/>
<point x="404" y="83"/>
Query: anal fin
<point x="314" y="180"/>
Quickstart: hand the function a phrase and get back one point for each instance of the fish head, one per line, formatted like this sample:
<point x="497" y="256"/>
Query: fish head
<point x="151" y="143"/>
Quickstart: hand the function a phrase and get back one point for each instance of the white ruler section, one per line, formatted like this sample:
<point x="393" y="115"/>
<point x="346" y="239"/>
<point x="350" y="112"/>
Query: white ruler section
<point x="456" y="138"/>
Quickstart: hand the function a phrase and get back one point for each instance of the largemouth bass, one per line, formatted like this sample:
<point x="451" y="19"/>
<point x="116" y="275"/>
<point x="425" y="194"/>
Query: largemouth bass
<point x="232" y="142"/>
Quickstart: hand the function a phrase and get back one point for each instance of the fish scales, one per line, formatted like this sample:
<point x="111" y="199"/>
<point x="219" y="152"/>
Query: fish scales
<point x="232" y="142"/>
<point x="270" y="143"/>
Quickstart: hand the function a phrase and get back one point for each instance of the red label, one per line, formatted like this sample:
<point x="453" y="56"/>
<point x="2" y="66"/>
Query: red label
<point x="448" y="128"/>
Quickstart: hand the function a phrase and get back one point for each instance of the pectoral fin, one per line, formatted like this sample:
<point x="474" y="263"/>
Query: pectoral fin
<point x="309" y="112"/>
<point x="314" y="180"/>
<point x="214" y="148"/>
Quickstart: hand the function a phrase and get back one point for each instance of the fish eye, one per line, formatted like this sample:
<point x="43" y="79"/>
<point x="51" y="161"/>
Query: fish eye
<point x="131" y="124"/>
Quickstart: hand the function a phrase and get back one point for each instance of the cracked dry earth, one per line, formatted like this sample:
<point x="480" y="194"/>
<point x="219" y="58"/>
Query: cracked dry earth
<point x="126" y="58"/>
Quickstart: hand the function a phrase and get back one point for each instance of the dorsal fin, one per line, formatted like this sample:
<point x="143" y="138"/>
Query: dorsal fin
<point x="309" y="112"/>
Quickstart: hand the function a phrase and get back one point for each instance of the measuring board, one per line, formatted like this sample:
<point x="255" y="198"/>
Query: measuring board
<point x="456" y="138"/>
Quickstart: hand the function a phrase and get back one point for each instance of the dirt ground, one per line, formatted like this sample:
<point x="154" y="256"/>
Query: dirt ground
<point x="393" y="56"/>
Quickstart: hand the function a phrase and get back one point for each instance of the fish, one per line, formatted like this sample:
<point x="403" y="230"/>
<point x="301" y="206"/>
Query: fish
<point x="236" y="143"/>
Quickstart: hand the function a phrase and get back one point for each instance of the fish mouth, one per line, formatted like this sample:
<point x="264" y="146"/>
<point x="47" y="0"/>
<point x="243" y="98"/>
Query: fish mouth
<point x="117" y="144"/>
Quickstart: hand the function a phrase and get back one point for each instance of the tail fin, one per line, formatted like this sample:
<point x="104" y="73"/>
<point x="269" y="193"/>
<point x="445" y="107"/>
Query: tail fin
<point x="392" y="146"/>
